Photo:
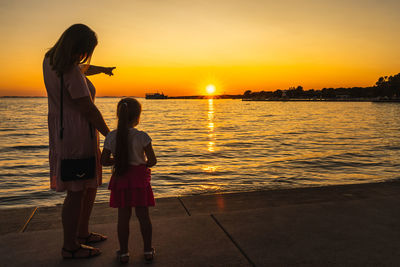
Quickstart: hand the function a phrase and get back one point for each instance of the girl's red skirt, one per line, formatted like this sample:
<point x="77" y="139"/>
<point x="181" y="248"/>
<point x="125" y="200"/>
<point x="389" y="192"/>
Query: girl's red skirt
<point x="132" y="189"/>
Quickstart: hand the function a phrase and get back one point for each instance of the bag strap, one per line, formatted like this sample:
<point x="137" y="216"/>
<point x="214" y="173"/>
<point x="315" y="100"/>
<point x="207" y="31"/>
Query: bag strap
<point x="61" y="105"/>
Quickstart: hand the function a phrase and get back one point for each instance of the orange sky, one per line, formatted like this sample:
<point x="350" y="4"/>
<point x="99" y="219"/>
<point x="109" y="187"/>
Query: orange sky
<point x="178" y="47"/>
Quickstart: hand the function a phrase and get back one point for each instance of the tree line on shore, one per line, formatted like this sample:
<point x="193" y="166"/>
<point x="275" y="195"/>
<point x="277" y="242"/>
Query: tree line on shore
<point x="387" y="87"/>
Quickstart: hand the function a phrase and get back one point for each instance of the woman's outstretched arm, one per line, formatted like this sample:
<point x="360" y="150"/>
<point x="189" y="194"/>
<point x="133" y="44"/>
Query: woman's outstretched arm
<point x="92" y="70"/>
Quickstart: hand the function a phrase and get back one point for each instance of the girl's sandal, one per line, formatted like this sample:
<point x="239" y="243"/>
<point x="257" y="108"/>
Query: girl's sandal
<point x="123" y="258"/>
<point x="91" y="252"/>
<point x="149" y="255"/>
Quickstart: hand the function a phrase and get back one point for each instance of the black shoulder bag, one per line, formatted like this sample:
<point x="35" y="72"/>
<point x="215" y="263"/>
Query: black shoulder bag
<point x="75" y="169"/>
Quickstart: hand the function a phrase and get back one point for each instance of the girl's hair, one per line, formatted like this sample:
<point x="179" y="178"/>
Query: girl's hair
<point x="75" y="46"/>
<point x="128" y="112"/>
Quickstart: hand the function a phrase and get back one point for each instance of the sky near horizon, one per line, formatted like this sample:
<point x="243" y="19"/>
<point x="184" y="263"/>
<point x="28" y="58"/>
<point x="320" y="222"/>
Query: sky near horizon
<point x="179" y="47"/>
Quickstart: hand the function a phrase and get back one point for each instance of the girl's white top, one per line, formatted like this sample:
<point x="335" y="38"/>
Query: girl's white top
<point x="137" y="140"/>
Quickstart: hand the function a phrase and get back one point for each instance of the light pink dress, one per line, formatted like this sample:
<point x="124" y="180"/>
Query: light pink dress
<point x="77" y="141"/>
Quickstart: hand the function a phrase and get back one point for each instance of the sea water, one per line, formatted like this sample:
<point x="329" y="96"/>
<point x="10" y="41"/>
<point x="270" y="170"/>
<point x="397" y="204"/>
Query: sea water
<point x="212" y="145"/>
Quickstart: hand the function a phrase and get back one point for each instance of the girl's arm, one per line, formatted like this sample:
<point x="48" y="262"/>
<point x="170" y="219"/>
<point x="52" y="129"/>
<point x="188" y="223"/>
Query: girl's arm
<point x="151" y="157"/>
<point x="92" y="70"/>
<point x="106" y="159"/>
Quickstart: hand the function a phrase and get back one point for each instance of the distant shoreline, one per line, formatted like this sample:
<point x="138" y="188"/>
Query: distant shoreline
<point x="240" y="97"/>
<point x="170" y="97"/>
<point x="325" y="100"/>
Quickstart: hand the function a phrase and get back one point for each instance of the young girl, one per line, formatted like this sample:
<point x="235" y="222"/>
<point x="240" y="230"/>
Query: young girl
<point x="131" y="153"/>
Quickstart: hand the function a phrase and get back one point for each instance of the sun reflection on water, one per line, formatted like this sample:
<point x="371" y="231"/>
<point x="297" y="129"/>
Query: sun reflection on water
<point x="210" y="126"/>
<point x="210" y="146"/>
<point x="210" y="135"/>
<point x="209" y="168"/>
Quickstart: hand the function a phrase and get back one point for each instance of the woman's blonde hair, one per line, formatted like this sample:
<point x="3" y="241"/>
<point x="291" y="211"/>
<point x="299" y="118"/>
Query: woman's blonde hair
<point x="75" y="46"/>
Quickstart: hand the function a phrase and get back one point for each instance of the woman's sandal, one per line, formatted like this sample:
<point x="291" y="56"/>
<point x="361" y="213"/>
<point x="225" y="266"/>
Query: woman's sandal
<point x="92" y="252"/>
<point x="123" y="258"/>
<point x="149" y="255"/>
<point x="93" y="238"/>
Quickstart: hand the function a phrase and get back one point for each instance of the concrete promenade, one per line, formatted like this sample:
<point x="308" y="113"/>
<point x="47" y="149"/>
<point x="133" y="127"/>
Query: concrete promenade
<point x="349" y="225"/>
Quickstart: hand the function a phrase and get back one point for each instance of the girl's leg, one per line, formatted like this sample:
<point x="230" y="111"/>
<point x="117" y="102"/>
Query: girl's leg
<point x="142" y="213"/>
<point x="124" y="215"/>
<point x="70" y="218"/>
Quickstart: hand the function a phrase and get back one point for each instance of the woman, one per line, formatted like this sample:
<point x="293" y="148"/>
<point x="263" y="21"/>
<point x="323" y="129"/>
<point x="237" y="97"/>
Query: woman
<point x="73" y="132"/>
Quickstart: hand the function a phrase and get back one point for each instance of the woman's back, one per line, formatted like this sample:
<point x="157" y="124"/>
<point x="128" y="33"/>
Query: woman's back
<point x="78" y="139"/>
<point x="75" y="86"/>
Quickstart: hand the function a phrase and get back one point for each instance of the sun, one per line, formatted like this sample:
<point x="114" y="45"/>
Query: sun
<point x="210" y="89"/>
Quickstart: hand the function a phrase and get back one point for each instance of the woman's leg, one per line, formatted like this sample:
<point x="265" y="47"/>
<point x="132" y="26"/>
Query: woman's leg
<point x="70" y="218"/>
<point x="142" y="213"/>
<point x="124" y="215"/>
<point x="89" y="195"/>
<point x="71" y="212"/>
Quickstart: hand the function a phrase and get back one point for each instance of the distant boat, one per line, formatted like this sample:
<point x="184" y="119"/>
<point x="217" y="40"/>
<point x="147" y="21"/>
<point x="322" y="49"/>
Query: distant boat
<point x="156" y="96"/>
